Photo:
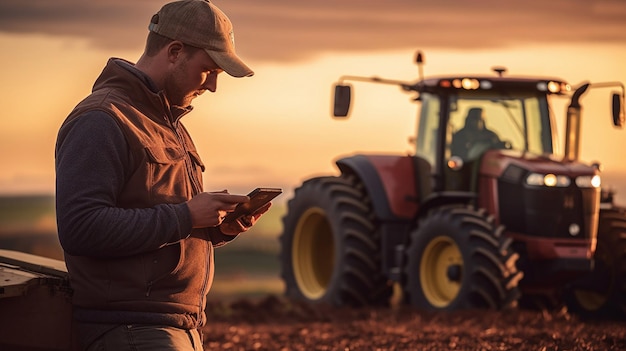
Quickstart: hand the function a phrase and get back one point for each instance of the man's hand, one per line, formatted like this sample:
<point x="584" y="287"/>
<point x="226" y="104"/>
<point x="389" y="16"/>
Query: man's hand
<point x="209" y="209"/>
<point x="243" y="223"/>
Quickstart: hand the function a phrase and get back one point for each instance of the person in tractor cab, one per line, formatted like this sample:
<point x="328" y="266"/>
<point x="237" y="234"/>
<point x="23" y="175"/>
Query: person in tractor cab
<point x="137" y="228"/>
<point x="474" y="138"/>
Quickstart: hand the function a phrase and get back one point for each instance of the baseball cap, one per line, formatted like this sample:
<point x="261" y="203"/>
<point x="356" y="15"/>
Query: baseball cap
<point x="201" y="24"/>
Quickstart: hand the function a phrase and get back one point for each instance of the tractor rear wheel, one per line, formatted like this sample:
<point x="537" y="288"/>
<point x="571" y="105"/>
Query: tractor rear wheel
<point x="602" y="293"/>
<point x="330" y="246"/>
<point x="457" y="259"/>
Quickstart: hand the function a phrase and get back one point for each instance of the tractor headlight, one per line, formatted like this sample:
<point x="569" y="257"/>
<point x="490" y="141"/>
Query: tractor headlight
<point x="549" y="180"/>
<point x="588" y="181"/>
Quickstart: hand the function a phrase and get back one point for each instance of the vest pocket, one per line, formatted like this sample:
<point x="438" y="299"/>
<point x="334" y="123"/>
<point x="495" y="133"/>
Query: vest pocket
<point x="162" y="264"/>
<point x="164" y="154"/>
<point x="168" y="178"/>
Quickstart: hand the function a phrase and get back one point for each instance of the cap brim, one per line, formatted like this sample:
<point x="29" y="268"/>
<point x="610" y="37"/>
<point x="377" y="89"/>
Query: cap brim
<point x="231" y="64"/>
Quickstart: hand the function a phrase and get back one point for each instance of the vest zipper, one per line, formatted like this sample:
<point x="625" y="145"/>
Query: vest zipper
<point x="189" y="165"/>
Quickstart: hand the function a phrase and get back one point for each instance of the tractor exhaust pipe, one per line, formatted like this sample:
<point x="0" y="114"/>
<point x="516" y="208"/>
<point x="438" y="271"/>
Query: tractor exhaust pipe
<point x="572" y="126"/>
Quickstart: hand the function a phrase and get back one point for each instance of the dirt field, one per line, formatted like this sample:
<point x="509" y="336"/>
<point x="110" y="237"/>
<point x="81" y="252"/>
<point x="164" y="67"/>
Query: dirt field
<point x="277" y="324"/>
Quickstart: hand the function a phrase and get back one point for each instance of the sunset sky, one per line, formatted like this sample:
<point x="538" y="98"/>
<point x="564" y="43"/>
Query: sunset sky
<point x="275" y="129"/>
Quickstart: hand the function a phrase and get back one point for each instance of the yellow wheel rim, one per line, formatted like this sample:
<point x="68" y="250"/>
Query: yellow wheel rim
<point x="590" y="300"/>
<point x="440" y="254"/>
<point x="593" y="300"/>
<point x="313" y="253"/>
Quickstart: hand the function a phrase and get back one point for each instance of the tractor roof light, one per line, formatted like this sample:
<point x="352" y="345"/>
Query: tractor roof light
<point x="588" y="181"/>
<point x="549" y="180"/>
<point x="470" y="84"/>
<point x="464" y="83"/>
<point x="485" y="84"/>
<point x="554" y="87"/>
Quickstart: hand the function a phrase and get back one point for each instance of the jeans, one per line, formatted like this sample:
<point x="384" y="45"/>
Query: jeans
<point x="139" y="338"/>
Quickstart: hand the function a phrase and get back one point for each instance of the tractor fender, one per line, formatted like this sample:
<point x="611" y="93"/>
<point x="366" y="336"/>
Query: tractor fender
<point x="390" y="182"/>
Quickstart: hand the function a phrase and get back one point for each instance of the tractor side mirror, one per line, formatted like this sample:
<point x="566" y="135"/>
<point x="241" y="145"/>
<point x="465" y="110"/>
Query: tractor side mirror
<point x="343" y="95"/>
<point x="618" y="113"/>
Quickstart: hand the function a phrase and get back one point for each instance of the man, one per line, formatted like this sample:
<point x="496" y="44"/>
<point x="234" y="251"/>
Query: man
<point x="474" y="137"/>
<point x="137" y="229"/>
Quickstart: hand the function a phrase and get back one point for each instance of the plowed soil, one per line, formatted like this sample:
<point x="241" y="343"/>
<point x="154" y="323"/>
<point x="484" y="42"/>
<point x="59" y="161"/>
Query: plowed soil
<point x="277" y="324"/>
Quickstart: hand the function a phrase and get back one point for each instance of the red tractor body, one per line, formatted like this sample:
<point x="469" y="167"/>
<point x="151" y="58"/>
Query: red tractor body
<point x="487" y="211"/>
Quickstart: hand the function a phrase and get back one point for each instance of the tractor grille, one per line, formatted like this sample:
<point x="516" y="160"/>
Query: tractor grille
<point x="547" y="212"/>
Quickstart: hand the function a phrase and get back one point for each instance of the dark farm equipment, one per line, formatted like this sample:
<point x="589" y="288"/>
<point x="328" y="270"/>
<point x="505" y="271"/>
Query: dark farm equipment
<point x="491" y="224"/>
<point x="35" y="303"/>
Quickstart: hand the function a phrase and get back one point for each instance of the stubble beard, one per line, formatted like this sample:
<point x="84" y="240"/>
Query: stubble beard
<point x="173" y="87"/>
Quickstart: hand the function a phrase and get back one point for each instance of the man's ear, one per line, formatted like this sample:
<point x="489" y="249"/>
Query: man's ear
<point x="174" y="50"/>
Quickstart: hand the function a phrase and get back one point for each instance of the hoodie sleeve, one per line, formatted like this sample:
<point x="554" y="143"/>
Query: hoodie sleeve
<point x="92" y="161"/>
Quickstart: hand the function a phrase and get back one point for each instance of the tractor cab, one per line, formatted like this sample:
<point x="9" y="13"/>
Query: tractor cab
<point x="463" y="117"/>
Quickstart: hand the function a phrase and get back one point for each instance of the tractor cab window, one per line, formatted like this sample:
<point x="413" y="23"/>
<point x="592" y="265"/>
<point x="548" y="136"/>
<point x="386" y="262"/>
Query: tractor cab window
<point x="479" y="121"/>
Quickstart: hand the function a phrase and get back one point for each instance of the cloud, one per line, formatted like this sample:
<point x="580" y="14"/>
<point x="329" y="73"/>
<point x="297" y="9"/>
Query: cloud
<point x="279" y="30"/>
<point x="106" y="24"/>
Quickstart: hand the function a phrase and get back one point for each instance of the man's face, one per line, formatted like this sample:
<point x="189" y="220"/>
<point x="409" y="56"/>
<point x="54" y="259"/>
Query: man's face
<point x="193" y="73"/>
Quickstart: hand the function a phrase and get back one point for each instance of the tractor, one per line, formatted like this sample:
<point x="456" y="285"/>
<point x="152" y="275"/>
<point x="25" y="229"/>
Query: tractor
<point x="501" y="218"/>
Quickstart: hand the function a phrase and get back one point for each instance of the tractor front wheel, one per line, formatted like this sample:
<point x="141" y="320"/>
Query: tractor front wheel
<point x="457" y="259"/>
